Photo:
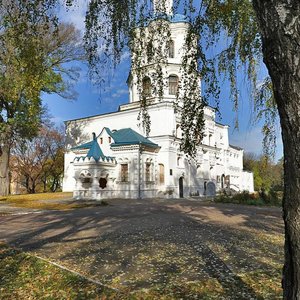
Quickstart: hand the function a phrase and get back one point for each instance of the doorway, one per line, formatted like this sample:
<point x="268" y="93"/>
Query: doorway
<point x="181" y="187"/>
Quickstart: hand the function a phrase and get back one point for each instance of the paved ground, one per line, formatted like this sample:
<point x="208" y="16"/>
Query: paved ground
<point x="139" y="244"/>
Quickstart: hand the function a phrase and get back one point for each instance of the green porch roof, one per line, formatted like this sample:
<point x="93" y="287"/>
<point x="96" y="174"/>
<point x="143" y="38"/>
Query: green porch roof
<point x="95" y="151"/>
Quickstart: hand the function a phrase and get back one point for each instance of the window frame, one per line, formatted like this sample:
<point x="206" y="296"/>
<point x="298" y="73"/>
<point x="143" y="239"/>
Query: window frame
<point x="171" y="49"/>
<point x="124" y="172"/>
<point x="173" y="85"/>
<point x="148" y="170"/>
<point x="161" y="173"/>
<point x="146" y="87"/>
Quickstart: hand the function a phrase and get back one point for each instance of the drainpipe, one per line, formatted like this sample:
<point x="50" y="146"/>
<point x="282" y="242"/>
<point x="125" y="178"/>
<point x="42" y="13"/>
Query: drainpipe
<point x="189" y="178"/>
<point x="139" y="168"/>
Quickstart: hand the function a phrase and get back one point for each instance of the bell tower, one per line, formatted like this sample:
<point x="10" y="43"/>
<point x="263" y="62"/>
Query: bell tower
<point x="172" y="49"/>
<point x="163" y="6"/>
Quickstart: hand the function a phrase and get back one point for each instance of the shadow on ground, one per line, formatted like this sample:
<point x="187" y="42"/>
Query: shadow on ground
<point x="174" y="248"/>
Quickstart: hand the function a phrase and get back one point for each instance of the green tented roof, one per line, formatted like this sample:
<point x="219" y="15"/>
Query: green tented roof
<point x="95" y="151"/>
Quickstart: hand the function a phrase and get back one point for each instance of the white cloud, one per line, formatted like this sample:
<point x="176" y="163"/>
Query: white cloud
<point x="74" y="14"/>
<point x="119" y="93"/>
<point x="125" y="56"/>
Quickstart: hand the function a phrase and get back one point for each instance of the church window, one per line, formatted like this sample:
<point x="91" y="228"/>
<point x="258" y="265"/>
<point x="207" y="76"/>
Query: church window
<point x="161" y="174"/>
<point x="146" y="87"/>
<point x="101" y="140"/>
<point x="86" y="180"/>
<point x="148" y="172"/>
<point x="102" y="183"/>
<point x="150" y="51"/>
<point x="124" y="172"/>
<point x="227" y="181"/>
<point x="205" y="187"/>
<point x="178" y="131"/>
<point x="179" y="161"/>
<point x="171" y="172"/>
<point x="173" y="84"/>
<point x="109" y="139"/>
<point x="222" y="181"/>
<point x="171" y="49"/>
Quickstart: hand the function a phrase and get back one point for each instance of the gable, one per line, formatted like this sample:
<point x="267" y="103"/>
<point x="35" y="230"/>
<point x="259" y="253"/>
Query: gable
<point x="128" y="136"/>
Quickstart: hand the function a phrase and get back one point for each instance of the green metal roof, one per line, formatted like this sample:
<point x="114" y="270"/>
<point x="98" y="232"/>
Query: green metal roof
<point x="128" y="136"/>
<point x="87" y="145"/>
<point x="125" y="136"/>
<point x="95" y="151"/>
<point x="109" y="131"/>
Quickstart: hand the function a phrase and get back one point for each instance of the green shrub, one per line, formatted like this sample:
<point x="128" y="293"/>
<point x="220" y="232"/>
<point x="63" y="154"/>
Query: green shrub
<point x="271" y="198"/>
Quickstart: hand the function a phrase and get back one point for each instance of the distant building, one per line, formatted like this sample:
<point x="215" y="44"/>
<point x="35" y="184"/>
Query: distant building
<point x="109" y="156"/>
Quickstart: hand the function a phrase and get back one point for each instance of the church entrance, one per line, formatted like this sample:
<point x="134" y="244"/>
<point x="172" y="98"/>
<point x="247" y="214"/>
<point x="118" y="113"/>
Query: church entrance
<point x="181" y="187"/>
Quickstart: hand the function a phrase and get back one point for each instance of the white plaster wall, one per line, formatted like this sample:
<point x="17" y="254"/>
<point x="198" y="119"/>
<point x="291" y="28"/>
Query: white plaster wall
<point x="69" y="181"/>
<point x="162" y="122"/>
<point x="247" y="181"/>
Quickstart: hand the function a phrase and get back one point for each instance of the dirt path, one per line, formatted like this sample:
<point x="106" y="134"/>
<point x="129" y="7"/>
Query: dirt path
<point x="157" y="244"/>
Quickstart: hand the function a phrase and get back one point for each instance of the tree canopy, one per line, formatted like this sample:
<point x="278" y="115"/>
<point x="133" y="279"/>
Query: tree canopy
<point x="33" y="57"/>
<point x="35" y="52"/>
<point x="37" y="164"/>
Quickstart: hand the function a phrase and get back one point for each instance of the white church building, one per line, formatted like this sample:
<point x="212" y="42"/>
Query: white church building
<point x="109" y="156"/>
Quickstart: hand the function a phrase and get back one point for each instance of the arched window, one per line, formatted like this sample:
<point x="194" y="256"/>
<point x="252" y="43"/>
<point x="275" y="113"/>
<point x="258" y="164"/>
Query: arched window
<point x="148" y="172"/>
<point x="150" y="51"/>
<point x="146" y="87"/>
<point x="173" y="84"/>
<point x="179" y="161"/>
<point x="86" y="178"/>
<point x="124" y="172"/>
<point x="223" y="181"/>
<point x="178" y="133"/>
<point x="161" y="174"/>
<point x="171" y="48"/>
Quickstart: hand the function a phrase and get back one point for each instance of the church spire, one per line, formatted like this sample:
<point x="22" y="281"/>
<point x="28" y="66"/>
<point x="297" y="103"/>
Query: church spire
<point x="163" y="6"/>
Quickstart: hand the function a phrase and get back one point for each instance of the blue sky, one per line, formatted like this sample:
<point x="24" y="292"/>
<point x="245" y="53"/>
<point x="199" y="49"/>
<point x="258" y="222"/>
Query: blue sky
<point x="91" y="100"/>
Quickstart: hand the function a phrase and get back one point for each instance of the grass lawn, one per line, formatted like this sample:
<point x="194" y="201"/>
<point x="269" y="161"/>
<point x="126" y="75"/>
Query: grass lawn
<point x="46" y="201"/>
<point x="23" y="276"/>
